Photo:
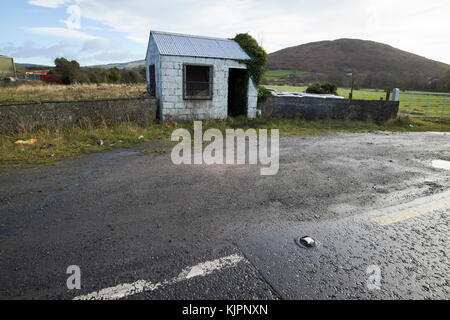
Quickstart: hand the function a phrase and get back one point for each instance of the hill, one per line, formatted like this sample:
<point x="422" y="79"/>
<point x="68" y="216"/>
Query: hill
<point x="372" y="62"/>
<point x="126" y="65"/>
<point x="31" y="66"/>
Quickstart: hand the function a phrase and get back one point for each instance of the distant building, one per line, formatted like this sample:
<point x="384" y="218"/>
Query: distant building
<point x="35" y="75"/>
<point x="197" y="77"/>
<point x="51" y="78"/>
<point x="7" y="67"/>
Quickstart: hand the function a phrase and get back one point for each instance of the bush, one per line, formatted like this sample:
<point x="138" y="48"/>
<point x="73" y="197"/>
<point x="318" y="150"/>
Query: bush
<point x="258" y="57"/>
<point x="68" y="70"/>
<point x="263" y="94"/>
<point x="131" y="76"/>
<point x="325" y="88"/>
<point x="71" y="72"/>
<point x="114" y="75"/>
<point x="97" y="75"/>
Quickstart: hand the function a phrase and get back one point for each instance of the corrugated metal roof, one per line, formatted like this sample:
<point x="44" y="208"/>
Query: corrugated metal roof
<point x="173" y="44"/>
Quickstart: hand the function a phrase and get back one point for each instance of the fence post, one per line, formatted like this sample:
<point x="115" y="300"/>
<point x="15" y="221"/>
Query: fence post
<point x="443" y="108"/>
<point x="388" y="94"/>
<point x="428" y="104"/>
<point x="395" y="94"/>
<point x="411" y="102"/>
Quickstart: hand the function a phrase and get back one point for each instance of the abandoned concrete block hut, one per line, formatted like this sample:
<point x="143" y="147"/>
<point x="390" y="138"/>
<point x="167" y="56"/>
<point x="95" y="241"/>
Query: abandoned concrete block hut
<point x="195" y="77"/>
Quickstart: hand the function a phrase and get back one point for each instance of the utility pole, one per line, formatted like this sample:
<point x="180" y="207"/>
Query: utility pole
<point x="353" y="84"/>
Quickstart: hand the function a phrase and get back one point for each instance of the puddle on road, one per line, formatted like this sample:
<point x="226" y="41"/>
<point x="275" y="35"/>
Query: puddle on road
<point x="441" y="164"/>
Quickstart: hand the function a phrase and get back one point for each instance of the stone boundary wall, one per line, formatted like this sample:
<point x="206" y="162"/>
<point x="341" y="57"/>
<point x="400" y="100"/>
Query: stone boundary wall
<point x="67" y="114"/>
<point x="318" y="108"/>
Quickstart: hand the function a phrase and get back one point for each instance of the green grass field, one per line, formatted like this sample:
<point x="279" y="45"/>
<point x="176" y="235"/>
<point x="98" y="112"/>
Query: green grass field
<point x="277" y="76"/>
<point x="418" y="103"/>
<point x="421" y="104"/>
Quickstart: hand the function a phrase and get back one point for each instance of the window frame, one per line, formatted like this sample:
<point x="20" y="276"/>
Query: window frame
<point x="211" y="82"/>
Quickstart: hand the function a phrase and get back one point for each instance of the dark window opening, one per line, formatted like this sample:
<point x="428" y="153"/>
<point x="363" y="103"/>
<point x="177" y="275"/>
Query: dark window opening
<point x="197" y="82"/>
<point x="152" y="88"/>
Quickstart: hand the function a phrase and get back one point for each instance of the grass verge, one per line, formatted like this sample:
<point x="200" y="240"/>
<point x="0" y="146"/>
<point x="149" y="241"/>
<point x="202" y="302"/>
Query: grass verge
<point x="39" y="92"/>
<point x="52" y="146"/>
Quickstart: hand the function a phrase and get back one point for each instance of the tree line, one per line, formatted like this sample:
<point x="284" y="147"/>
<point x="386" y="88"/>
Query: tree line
<point x="381" y="80"/>
<point x="71" y="72"/>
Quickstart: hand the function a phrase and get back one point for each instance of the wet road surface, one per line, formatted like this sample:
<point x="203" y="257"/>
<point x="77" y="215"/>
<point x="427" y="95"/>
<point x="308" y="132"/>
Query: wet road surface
<point x="140" y="227"/>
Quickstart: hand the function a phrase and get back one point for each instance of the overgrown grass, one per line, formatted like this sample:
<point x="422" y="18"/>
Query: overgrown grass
<point x="60" y="144"/>
<point x="38" y="92"/>
<point x="55" y="145"/>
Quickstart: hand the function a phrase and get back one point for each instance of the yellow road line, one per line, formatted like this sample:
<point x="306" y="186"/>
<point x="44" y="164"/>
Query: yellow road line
<point x="402" y="215"/>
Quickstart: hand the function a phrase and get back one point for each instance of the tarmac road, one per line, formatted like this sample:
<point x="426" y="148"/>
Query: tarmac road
<point x="140" y="227"/>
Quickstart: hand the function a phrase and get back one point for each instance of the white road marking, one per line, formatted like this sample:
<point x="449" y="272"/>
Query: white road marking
<point x="121" y="291"/>
<point x="415" y="211"/>
<point x="127" y="289"/>
<point x="441" y="164"/>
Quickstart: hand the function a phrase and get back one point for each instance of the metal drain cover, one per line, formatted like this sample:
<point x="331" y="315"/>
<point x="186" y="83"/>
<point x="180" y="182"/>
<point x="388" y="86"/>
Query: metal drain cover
<point x="307" y="242"/>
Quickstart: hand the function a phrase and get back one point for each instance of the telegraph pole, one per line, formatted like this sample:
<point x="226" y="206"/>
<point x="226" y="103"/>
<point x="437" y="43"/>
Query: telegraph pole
<point x="353" y="84"/>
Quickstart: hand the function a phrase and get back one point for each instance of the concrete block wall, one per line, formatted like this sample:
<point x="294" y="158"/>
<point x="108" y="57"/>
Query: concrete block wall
<point x="172" y="103"/>
<point x="317" y="108"/>
<point x="252" y="103"/>
<point x="169" y="87"/>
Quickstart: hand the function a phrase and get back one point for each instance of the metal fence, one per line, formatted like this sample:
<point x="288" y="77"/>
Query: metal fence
<point x="425" y="105"/>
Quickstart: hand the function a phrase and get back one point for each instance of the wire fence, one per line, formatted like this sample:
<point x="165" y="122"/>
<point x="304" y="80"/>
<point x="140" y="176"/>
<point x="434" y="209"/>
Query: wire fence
<point x="425" y="105"/>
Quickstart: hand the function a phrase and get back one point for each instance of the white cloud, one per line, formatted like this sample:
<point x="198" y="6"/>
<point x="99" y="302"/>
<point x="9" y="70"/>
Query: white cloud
<point x="49" y="3"/>
<point x="62" y="33"/>
<point x="98" y="51"/>
<point x="410" y="24"/>
<point x="31" y="49"/>
<point x="413" y="25"/>
<point x="114" y="56"/>
<point x="95" y="45"/>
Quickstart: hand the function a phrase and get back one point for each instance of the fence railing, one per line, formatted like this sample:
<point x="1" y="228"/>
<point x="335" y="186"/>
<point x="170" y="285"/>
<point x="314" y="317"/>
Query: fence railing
<point x="425" y="105"/>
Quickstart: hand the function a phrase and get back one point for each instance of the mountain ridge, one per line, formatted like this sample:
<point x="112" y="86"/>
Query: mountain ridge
<point x="364" y="57"/>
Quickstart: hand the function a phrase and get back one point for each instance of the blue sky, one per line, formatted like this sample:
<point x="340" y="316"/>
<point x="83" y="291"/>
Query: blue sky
<point x="37" y="31"/>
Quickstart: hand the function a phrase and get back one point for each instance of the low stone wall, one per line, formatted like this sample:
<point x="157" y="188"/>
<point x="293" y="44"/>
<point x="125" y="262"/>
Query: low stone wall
<point x="317" y="108"/>
<point x="52" y="115"/>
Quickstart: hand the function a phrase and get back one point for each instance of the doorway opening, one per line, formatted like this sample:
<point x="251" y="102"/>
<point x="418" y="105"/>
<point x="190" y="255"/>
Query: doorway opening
<point x="152" y="89"/>
<point x="237" y="92"/>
